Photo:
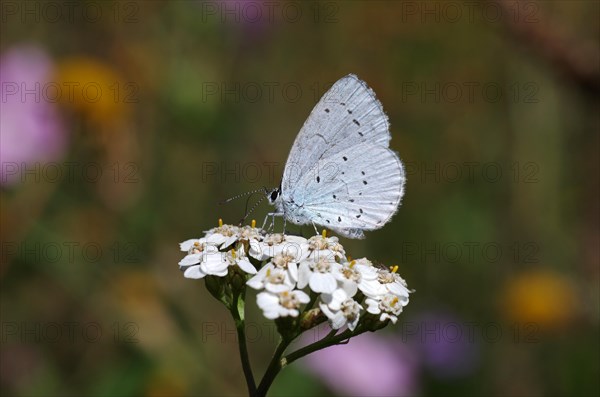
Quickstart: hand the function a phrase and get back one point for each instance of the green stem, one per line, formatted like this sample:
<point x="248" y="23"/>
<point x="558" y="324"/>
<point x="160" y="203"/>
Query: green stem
<point x="237" y="311"/>
<point x="327" y="341"/>
<point x="276" y="364"/>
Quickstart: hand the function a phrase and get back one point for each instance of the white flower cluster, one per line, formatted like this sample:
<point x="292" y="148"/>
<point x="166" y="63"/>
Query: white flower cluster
<point x="292" y="263"/>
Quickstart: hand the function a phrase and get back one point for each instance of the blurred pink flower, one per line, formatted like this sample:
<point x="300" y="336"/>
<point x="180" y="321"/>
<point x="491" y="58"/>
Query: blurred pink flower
<point x="31" y="128"/>
<point x="447" y="348"/>
<point x="369" y="365"/>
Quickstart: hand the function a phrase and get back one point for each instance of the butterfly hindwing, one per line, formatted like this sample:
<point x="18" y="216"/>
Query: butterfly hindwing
<point x="361" y="192"/>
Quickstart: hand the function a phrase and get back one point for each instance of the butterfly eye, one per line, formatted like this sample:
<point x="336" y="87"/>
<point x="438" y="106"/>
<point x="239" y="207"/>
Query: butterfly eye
<point x="274" y="194"/>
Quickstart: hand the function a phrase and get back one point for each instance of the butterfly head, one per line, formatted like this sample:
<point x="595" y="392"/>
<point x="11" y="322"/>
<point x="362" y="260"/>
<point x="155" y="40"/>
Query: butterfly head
<point x="273" y="194"/>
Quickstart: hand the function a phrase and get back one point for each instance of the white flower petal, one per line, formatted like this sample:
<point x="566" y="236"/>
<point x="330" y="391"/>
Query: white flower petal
<point x="256" y="251"/>
<point x="373" y="306"/>
<point x="256" y="282"/>
<point x="349" y="287"/>
<point x="228" y="241"/>
<point x="322" y="282"/>
<point x="352" y="324"/>
<point x="278" y="288"/>
<point x="211" y="258"/>
<point x="271" y="314"/>
<point x="194" y="272"/>
<point x="304" y="274"/>
<point x="293" y="271"/>
<point x="326" y="310"/>
<point x="291" y="312"/>
<point x="326" y="298"/>
<point x="302" y="296"/>
<point x="385" y="316"/>
<point x="192" y="259"/>
<point x="296" y="239"/>
<point x="246" y="266"/>
<point x="338" y="321"/>
<point x="187" y="244"/>
<point x="367" y="272"/>
<point x="398" y="289"/>
<point x="372" y="288"/>
<point x="337" y="298"/>
<point x="220" y="272"/>
<point x="266" y="300"/>
<point x="215" y="239"/>
<point x="215" y="264"/>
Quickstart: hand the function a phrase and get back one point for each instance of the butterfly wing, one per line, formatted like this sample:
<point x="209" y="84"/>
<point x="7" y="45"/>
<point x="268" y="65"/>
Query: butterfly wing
<point x="347" y="115"/>
<point x="357" y="189"/>
<point x="340" y="169"/>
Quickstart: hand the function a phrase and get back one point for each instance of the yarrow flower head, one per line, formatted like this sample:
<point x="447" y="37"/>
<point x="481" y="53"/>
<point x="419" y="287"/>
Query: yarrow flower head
<point x="393" y="283"/>
<point x="388" y="307"/>
<point x="340" y="309"/>
<point x="318" y="274"/>
<point x="323" y="246"/>
<point x="282" y="304"/>
<point x="297" y="277"/>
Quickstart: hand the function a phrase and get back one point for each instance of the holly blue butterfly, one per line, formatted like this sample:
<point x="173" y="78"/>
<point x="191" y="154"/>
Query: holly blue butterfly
<point x="341" y="173"/>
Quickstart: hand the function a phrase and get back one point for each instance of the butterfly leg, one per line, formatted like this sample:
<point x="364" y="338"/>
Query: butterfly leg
<point x="315" y="226"/>
<point x="265" y="222"/>
<point x="272" y="215"/>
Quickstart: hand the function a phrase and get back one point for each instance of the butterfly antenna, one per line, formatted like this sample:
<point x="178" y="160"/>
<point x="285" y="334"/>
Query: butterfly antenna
<point x="251" y="209"/>
<point x="242" y="195"/>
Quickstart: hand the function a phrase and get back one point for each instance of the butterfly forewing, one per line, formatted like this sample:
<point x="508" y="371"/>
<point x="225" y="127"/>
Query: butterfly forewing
<point x="347" y="115"/>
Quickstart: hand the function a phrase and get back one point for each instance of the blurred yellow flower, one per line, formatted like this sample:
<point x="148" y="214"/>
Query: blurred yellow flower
<point x="166" y="384"/>
<point x="94" y="88"/>
<point x="540" y="296"/>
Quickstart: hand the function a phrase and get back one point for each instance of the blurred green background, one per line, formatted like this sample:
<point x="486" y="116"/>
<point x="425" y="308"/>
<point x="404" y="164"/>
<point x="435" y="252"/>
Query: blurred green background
<point x="125" y="123"/>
